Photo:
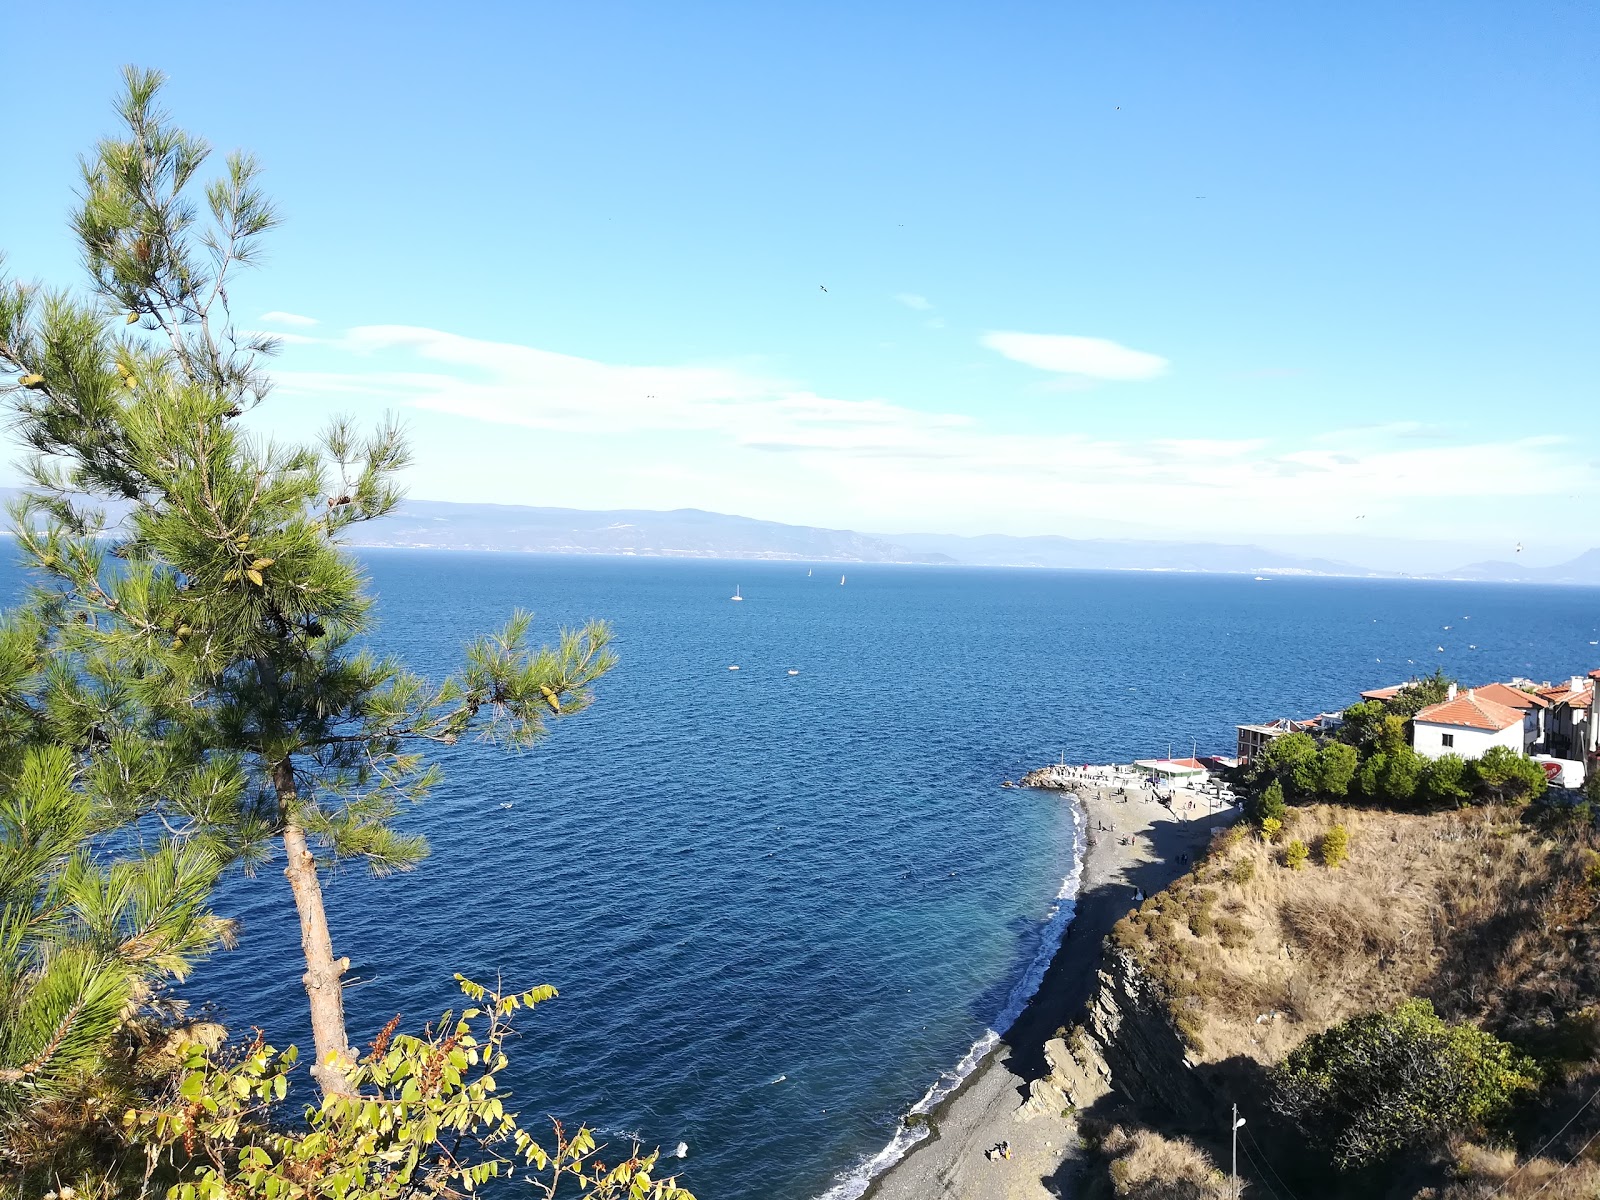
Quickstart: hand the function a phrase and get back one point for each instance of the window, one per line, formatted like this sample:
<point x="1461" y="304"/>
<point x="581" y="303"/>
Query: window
<point x="1447" y="740"/>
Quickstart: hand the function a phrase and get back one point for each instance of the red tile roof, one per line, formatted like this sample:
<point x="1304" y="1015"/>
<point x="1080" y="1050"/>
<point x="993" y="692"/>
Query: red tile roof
<point x="1511" y="697"/>
<point x="1562" y="693"/>
<point x="1471" y="712"/>
<point x="1385" y="693"/>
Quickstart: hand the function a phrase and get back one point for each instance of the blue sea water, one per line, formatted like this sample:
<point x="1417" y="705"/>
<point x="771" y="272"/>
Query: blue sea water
<point x="780" y="907"/>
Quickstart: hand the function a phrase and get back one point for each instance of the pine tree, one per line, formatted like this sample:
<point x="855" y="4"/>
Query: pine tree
<point x="201" y="614"/>
<point x="83" y="939"/>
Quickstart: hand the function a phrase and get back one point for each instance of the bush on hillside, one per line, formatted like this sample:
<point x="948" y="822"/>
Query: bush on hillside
<point x="1392" y="776"/>
<point x="1270" y="804"/>
<point x="1335" y="846"/>
<point x="1379" y="1083"/>
<point x="1506" y="777"/>
<point x="1445" y="781"/>
<point x="1295" y="856"/>
<point x="1146" y="1166"/>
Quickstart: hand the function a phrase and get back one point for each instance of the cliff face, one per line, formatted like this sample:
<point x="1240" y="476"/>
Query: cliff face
<point x="1493" y="915"/>
<point x="1126" y="1044"/>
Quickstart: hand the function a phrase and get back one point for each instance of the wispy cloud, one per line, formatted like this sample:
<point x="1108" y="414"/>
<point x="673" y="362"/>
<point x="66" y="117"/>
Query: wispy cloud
<point x="912" y="300"/>
<point x="294" y="320"/>
<point x="879" y="461"/>
<point x="1087" y="357"/>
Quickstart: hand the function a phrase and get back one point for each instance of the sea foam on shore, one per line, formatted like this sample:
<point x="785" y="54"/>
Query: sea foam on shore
<point x="855" y="1181"/>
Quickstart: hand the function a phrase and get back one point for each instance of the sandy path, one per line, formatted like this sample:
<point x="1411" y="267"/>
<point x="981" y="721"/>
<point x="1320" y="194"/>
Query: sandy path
<point x="982" y="1113"/>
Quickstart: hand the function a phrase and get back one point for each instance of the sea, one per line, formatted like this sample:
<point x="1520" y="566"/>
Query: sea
<point x="785" y="905"/>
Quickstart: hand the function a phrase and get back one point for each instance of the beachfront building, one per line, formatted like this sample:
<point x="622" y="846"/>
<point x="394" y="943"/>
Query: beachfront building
<point x="1569" y="729"/>
<point x="1526" y="701"/>
<point x="1466" y="724"/>
<point x="1253" y="739"/>
<point x="1183" y="769"/>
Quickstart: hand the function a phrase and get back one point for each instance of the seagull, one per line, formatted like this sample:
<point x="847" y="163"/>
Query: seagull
<point x="823" y="288"/>
<point x="1519" y="547"/>
<point x="1440" y="649"/>
<point x="683" y="1150"/>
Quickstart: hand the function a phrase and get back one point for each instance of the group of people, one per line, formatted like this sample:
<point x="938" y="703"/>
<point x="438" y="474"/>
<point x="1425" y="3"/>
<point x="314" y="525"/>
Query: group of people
<point x="998" y="1150"/>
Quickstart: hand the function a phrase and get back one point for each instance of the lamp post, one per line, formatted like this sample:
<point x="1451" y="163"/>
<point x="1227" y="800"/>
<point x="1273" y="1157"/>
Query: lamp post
<point x="1237" y="1121"/>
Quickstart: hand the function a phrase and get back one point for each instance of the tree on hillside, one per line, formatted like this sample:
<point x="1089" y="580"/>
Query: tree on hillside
<point x="1379" y="1083"/>
<point x="197" y="605"/>
<point x="1420" y="693"/>
<point x="1391" y="776"/>
<point x="1362" y="724"/>
<point x="1336" y="769"/>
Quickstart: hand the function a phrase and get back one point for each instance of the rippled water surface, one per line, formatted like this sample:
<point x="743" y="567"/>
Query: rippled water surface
<point x="779" y="906"/>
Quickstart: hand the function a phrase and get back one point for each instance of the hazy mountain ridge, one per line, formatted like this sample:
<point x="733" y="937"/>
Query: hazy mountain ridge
<point x="1120" y="554"/>
<point x="680" y="533"/>
<point x="1583" y="569"/>
<point x="694" y="533"/>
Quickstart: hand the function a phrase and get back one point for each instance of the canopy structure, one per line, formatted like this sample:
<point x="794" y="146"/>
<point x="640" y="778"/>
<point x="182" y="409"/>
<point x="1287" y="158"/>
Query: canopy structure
<point x="1173" y="768"/>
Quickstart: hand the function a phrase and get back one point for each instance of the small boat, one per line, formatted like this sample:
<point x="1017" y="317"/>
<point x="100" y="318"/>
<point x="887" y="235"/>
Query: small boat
<point x="1262" y="579"/>
<point x="736" y="595"/>
<point x="734" y="667"/>
<point x="682" y="1151"/>
<point x="794" y="672"/>
<point x="507" y="804"/>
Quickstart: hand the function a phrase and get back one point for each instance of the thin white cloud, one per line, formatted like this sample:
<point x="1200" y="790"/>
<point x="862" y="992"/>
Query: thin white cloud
<point x="751" y="442"/>
<point x="912" y="300"/>
<point x="1065" y="354"/>
<point x="287" y="318"/>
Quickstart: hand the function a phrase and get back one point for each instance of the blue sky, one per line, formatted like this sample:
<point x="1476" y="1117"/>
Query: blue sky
<point x="1305" y="274"/>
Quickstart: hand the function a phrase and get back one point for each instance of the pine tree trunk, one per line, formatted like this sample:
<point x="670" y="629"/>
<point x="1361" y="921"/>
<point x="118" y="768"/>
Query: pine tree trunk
<point x="324" y="973"/>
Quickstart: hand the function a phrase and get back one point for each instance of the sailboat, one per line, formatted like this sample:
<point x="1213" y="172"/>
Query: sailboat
<point x="808" y="572"/>
<point x="736" y="595"/>
<point x="841" y="581"/>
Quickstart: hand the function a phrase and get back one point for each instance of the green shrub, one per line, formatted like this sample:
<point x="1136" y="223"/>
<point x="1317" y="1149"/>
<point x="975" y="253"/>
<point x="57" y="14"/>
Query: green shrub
<point x="1504" y="776"/>
<point x="1243" y="871"/>
<point x="1379" y="1083"/>
<point x="1271" y="827"/>
<point x="1444" y="780"/>
<point x="1295" y="856"/>
<point x="1336" y="769"/>
<point x="1271" y="805"/>
<point x="1335" y="847"/>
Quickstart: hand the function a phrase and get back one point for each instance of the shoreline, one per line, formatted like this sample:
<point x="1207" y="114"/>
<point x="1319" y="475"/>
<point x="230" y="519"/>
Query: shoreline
<point x="982" y="1109"/>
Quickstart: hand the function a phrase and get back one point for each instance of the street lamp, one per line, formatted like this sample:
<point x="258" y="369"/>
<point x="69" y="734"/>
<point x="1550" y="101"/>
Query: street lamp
<point x="1237" y="1122"/>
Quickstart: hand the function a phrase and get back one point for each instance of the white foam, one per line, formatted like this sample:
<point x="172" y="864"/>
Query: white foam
<point x="854" y="1182"/>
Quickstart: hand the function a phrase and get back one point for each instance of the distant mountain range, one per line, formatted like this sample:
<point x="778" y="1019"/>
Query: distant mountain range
<point x="682" y="533"/>
<point x="692" y="533"/>
<point x="1583" y="569"/>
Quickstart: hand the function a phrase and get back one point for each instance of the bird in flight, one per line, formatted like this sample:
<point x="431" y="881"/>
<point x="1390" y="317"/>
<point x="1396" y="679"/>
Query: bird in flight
<point x="1519" y="547"/>
<point x="823" y="288"/>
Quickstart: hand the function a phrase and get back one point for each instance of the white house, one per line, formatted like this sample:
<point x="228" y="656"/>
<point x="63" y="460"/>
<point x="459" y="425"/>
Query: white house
<point x="1468" y="724"/>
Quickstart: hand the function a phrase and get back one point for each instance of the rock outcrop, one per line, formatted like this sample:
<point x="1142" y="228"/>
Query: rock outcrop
<point x="1127" y="1044"/>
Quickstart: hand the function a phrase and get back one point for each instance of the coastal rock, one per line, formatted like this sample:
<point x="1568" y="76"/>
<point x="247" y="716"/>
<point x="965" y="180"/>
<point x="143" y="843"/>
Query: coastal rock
<point x="1047" y="777"/>
<point x="1127" y="1043"/>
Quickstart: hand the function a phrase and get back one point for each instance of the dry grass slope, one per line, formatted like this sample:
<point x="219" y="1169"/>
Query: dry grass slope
<point x="1488" y="915"/>
<point x="1486" y="912"/>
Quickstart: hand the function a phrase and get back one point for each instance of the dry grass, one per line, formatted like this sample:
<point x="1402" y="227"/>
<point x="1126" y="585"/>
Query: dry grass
<point x="1489" y="916"/>
<point x="1486" y="1173"/>
<point x="1144" y="1165"/>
